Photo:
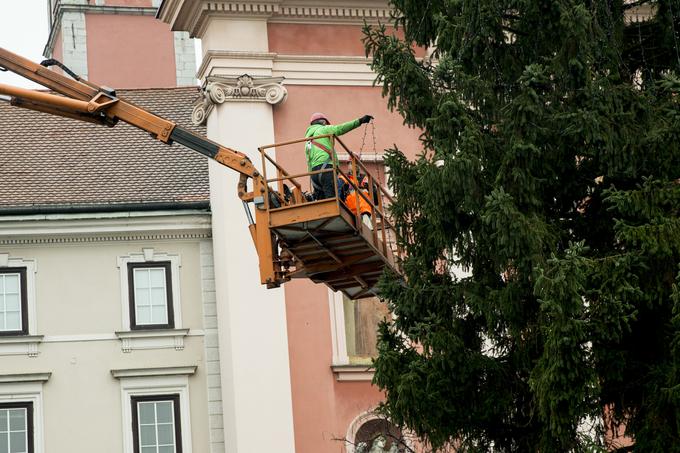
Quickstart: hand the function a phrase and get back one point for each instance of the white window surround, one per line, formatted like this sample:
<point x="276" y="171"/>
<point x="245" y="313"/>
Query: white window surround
<point x="354" y="427"/>
<point x="158" y="338"/>
<point x="155" y="381"/>
<point x="343" y="370"/>
<point x="23" y="344"/>
<point x="27" y="387"/>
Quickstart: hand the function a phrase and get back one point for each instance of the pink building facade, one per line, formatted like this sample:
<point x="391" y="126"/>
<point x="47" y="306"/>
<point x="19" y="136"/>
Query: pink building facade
<point x="292" y="374"/>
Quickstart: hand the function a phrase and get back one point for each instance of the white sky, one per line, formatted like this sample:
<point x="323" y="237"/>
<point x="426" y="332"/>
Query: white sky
<point x="23" y="30"/>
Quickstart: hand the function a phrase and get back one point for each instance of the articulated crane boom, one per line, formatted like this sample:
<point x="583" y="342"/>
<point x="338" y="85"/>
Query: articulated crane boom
<point x="282" y="256"/>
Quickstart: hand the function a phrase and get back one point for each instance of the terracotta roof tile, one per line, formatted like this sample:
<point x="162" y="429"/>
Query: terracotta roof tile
<point x="47" y="162"/>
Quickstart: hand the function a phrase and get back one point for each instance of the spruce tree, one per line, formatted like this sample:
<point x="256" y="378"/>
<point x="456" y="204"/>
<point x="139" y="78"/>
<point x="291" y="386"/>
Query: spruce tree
<point x="540" y="304"/>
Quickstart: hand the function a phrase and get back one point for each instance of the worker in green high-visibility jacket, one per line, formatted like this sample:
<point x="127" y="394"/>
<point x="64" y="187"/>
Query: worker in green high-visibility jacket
<point x="319" y="152"/>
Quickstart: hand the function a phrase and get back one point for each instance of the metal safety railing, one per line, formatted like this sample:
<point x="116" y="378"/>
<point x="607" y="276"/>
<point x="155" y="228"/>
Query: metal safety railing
<point x="372" y="192"/>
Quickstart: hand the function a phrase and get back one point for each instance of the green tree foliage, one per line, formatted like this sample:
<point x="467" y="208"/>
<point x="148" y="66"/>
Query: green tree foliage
<point x="550" y="178"/>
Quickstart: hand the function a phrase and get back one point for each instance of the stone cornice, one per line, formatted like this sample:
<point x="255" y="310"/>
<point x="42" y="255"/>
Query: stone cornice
<point x="152" y="372"/>
<point x="25" y="377"/>
<point x="218" y="90"/>
<point x="107" y="238"/>
<point x="114" y="227"/>
<point x="193" y="15"/>
<point x="296" y="69"/>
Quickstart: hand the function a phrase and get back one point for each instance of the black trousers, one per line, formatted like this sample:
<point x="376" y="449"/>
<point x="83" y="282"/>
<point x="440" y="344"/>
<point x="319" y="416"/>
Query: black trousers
<point x="323" y="183"/>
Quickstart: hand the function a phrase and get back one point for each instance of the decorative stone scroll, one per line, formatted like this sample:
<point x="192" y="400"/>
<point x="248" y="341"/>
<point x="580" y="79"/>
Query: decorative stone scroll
<point x="218" y="90"/>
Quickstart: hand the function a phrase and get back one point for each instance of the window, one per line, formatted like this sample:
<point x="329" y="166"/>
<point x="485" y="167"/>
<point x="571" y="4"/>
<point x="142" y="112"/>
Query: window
<point x="372" y="432"/>
<point x="150" y="301"/>
<point x="13" y="302"/>
<point x="16" y="427"/>
<point x="148" y="396"/>
<point x="150" y="289"/>
<point x="354" y="329"/>
<point x="156" y="424"/>
<point x="361" y="327"/>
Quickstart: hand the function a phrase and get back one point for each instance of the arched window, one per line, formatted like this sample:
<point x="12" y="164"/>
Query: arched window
<point x="371" y="432"/>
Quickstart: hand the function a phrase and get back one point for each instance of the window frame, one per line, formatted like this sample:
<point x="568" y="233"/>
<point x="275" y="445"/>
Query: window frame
<point x="177" y="415"/>
<point x="30" y="430"/>
<point x="23" y="288"/>
<point x="167" y="266"/>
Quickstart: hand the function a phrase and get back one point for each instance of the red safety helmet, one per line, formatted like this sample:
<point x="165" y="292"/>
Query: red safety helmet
<point x="318" y="116"/>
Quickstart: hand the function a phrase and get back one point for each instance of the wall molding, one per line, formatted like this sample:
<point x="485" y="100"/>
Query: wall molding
<point x="353" y="373"/>
<point x="148" y="372"/>
<point x="132" y="340"/>
<point x="20" y="345"/>
<point x="109" y="238"/>
<point x="25" y="377"/>
<point x="295" y="69"/>
<point x="114" y="227"/>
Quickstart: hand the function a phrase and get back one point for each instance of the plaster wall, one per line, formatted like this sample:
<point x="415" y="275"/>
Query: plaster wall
<point x="318" y="39"/>
<point x="78" y="286"/>
<point x="82" y="401"/>
<point x="58" y="53"/>
<point x="323" y="407"/>
<point x="113" y="62"/>
<point x="312" y="39"/>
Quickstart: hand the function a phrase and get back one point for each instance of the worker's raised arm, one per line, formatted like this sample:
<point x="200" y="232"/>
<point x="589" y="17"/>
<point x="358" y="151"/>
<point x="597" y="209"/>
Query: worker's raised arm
<point x="340" y="129"/>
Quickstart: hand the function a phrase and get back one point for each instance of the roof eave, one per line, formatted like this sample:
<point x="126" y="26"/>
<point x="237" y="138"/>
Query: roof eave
<point x="114" y="207"/>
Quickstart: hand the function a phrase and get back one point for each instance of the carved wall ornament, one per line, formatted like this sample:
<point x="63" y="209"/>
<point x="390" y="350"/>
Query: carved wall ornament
<point x="218" y="90"/>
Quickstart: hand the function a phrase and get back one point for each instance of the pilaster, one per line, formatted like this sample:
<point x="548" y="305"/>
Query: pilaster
<point x="212" y="359"/>
<point x="74" y="42"/>
<point x="185" y="59"/>
<point x="253" y="338"/>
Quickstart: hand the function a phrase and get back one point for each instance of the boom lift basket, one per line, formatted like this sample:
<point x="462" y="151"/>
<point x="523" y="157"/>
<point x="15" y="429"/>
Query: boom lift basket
<point x="324" y="240"/>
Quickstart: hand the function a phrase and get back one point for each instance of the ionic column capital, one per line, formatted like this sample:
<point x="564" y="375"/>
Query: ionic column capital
<point x="246" y="88"/>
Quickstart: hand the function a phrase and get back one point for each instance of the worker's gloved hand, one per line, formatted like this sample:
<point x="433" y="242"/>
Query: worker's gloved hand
<point x="365" y="119"/>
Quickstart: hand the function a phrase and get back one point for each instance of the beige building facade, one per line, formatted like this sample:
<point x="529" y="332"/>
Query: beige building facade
<point x="108" y="324"/>
<point x="82" y="363"/>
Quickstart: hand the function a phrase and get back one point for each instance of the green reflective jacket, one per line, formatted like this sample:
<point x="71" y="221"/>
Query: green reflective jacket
<point x="317" y="156"/>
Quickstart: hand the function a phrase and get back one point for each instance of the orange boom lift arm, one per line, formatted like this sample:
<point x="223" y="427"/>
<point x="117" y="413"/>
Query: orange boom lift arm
<point x="322" y="240"/>
<point x="85" y="101"/>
